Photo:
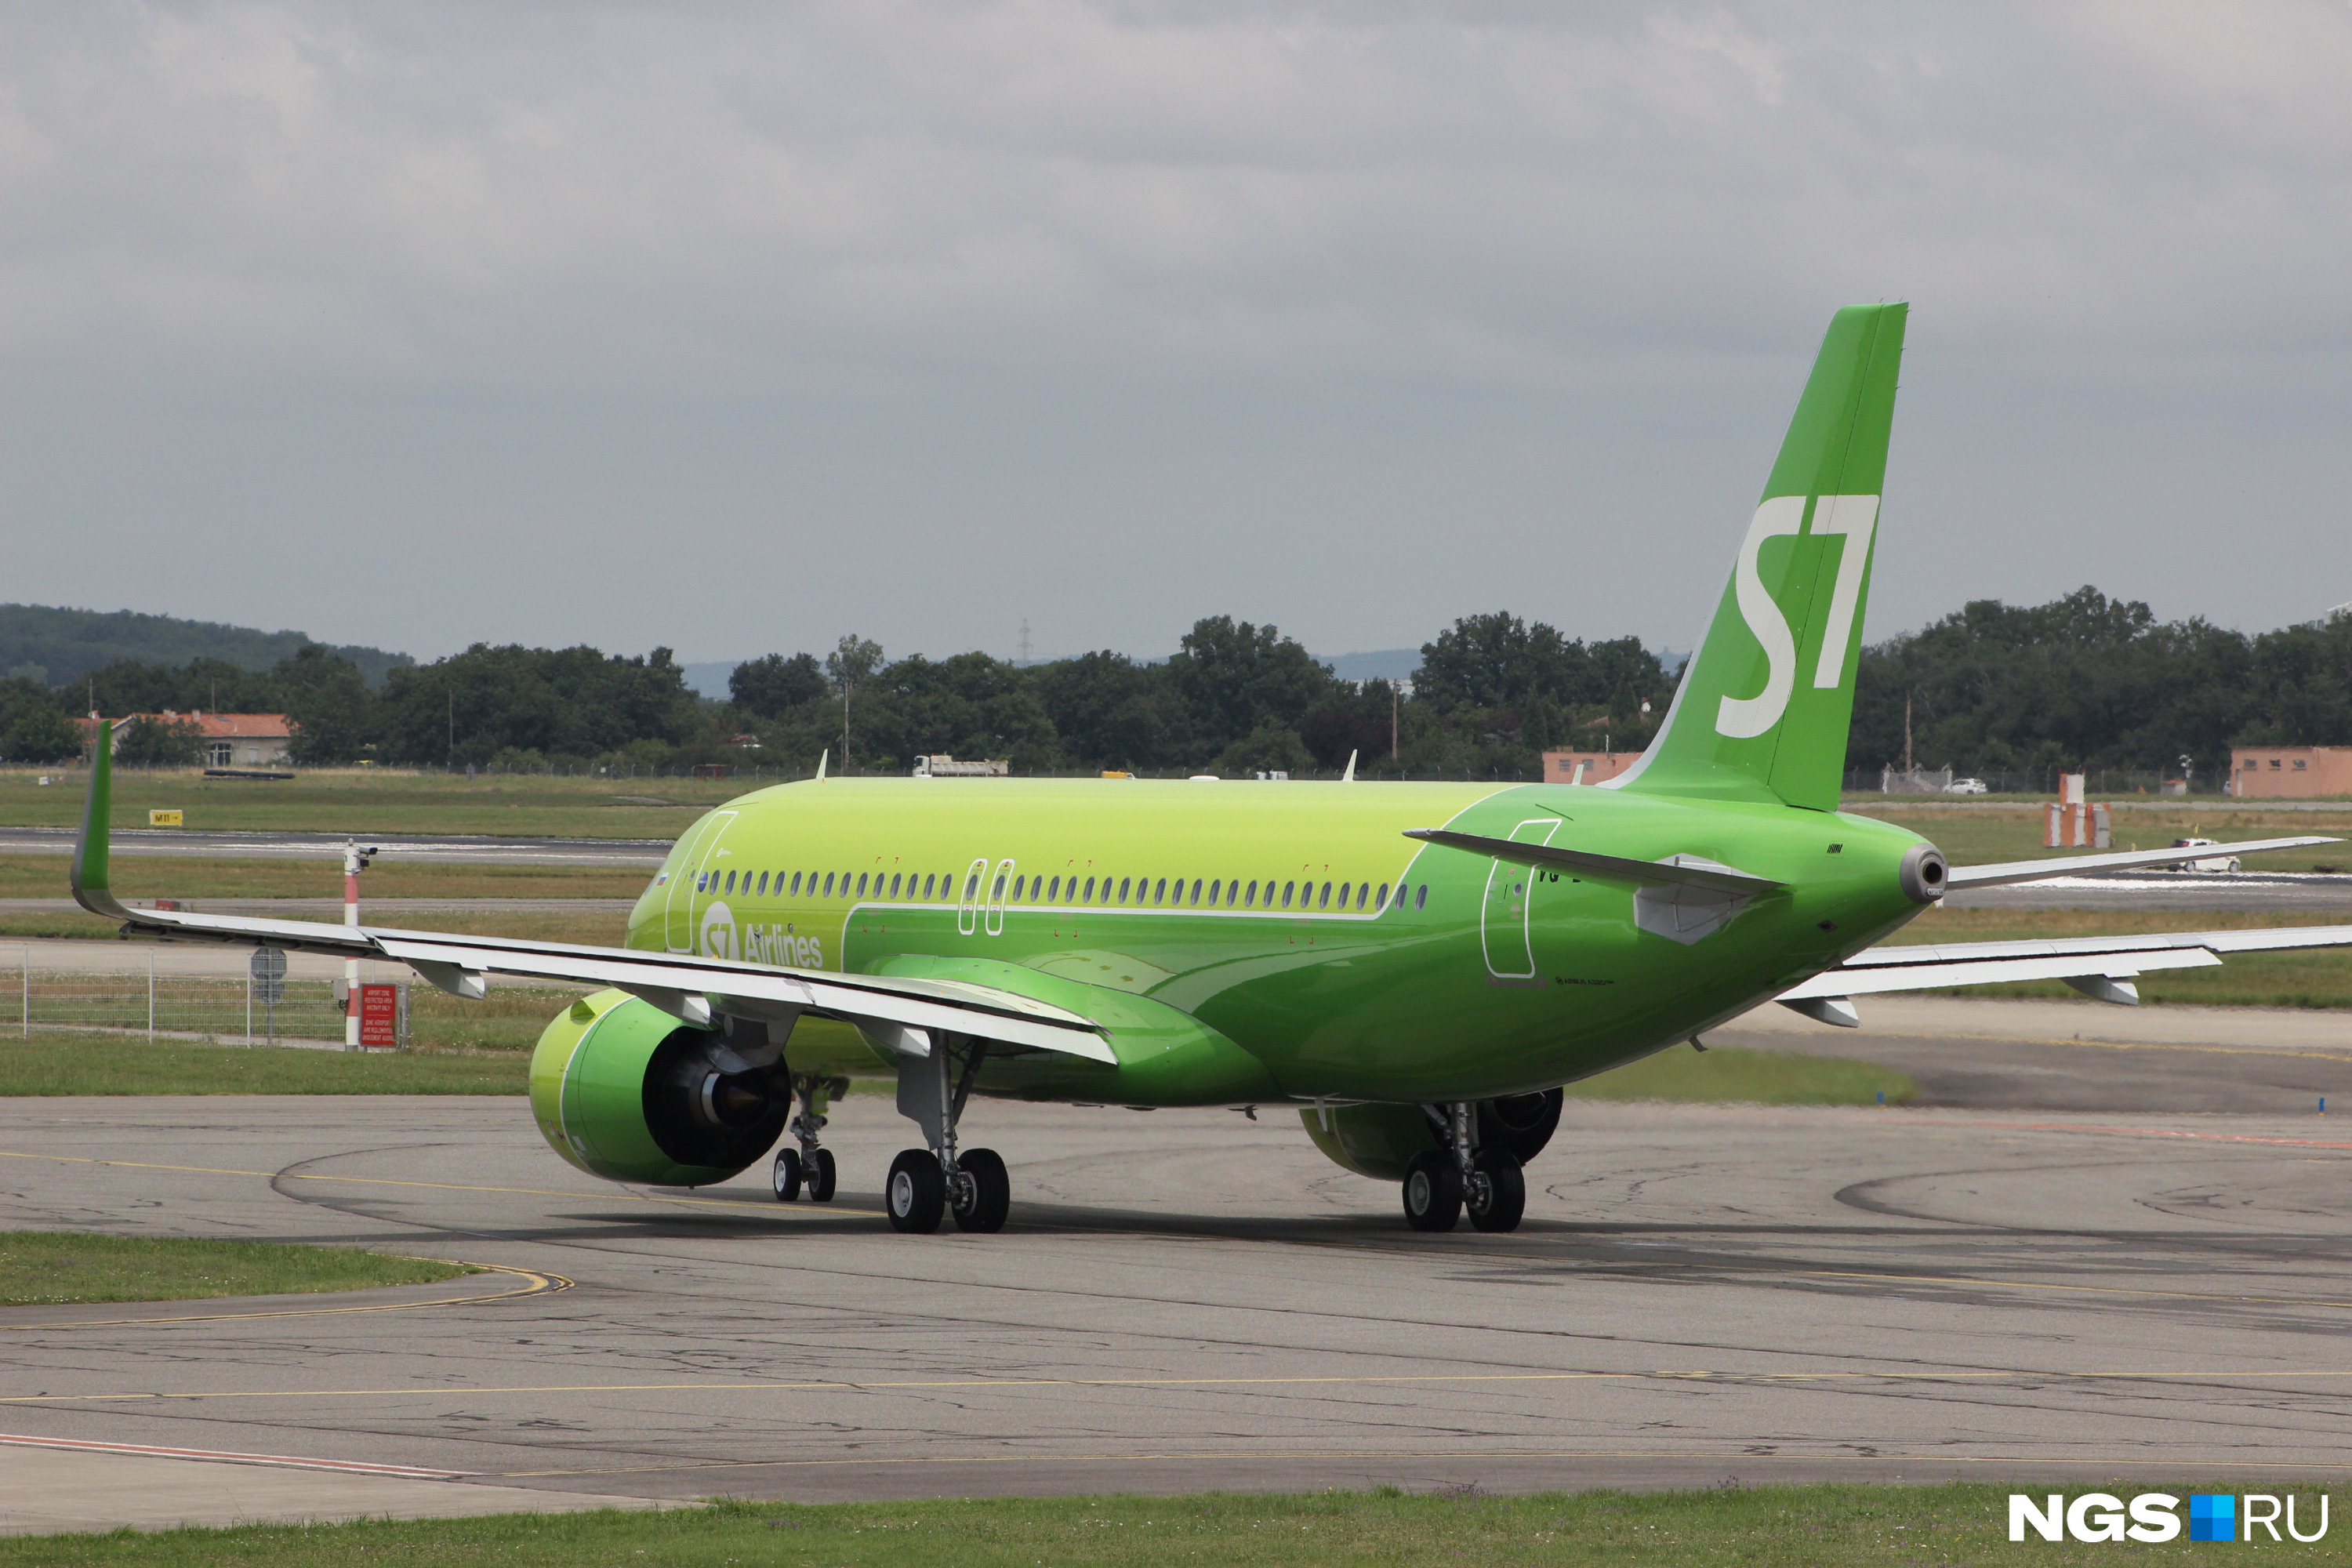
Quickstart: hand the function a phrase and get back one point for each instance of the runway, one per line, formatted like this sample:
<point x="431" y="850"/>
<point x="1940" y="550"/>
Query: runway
<point x="1192" y="1300"/>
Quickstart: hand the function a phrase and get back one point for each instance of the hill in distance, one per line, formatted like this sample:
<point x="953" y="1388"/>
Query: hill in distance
<point x="57" y="646"/>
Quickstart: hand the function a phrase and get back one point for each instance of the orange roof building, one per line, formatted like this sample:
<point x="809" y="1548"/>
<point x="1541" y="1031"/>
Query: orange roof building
<point x="230" y="740"/>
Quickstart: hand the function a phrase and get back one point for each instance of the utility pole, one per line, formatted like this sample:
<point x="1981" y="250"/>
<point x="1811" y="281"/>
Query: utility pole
<point x="1909" y="766"/>
<point x="1393" y="720"/>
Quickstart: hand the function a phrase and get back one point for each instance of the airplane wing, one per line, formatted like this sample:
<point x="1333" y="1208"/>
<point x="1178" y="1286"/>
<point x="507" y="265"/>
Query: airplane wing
<point x="1962" y="878"/>
<point x="2100" y="966"/>
<point x="688" y="988"/>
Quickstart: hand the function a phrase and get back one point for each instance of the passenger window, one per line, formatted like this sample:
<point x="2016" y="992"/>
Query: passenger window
<point x="861" y="884"/>
<point x="1018" y="883"/>
<point x="1055" y="890"/>
<point x="894" y="885"/>
<point x="828" y="884"/>
<point x="1384" y="887"/>
<point x="796" y="882"/>
<point x="1196" y="893"/>
<point x="1324" y="901"/>
<point x="997" y="890"/>
<point x="1122" y="890"/>
<point x="1422" y="898"/>
<point x="1249" y="894"/>
<point x="1159" y="891"/>
<point x="1286" y="893"/>
<point x="1216" y="887"/>
<point x="1089" y="896"/>
<point x="1363" y="894"/>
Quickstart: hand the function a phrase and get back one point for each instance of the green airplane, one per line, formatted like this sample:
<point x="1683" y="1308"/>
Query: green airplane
<point x="1416" y="968"/>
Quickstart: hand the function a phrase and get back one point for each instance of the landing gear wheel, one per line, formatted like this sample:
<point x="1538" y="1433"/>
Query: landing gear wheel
<point x="1432" y="1191"/>
<point x="820" y="1176"/>
<point x="987" y="1195"/>
<point x="916" y="1192"/>
<point x="786" y="1176"/>
<point x="1502" y="1197"/>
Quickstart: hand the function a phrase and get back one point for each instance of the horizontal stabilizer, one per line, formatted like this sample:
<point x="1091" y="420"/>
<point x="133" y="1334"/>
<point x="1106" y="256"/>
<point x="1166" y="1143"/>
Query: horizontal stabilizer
<point x="1673" y="871"/>
<point x="2009" y="873"/>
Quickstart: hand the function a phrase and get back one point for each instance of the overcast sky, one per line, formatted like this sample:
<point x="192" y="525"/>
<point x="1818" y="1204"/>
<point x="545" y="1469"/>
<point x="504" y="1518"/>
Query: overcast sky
<point x="735" y="328"/>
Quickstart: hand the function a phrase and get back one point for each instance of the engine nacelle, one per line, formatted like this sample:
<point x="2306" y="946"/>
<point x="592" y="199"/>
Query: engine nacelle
<point x="1379" y="1140"/>
<point x="625" y="1091"/>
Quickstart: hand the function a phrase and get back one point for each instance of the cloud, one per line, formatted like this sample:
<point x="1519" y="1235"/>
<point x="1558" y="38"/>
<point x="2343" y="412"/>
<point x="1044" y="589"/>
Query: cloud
<point x="1114" y="315"/>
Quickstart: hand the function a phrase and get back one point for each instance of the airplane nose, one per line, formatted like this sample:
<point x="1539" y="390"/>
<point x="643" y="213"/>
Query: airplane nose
<point x="1923" y="873"/>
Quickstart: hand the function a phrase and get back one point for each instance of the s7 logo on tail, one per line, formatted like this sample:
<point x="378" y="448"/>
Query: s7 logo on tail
<point x="1853" y="519"/>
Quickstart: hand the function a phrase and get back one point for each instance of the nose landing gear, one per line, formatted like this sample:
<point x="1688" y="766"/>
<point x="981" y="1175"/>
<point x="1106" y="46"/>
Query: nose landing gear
<point x="1487" y="1182"/>
<point x="809" y="1167"/>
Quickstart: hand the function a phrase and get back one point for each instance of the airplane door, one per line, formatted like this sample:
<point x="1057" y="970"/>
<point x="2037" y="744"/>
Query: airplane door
<point x="996" y="897"/>
<point x="1503" y="920"/>
<point x="968" y="910"/>
<point x="688" y="890"/>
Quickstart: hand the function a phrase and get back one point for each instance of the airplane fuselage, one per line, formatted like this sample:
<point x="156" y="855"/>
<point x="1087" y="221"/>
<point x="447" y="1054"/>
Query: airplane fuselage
<point x="1281" y="941"/>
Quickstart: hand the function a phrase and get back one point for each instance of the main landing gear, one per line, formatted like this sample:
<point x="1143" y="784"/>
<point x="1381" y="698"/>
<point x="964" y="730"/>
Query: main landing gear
<point x="1439" y="1183"/>
<point x="809" y="1168"/>
<point x="927" y="1184"/>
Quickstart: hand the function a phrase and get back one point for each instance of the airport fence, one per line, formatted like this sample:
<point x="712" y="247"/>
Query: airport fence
<point x="153" y="1003"/>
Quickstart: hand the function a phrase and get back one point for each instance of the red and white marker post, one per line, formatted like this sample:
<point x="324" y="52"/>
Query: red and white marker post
<point x="355" y="860"/>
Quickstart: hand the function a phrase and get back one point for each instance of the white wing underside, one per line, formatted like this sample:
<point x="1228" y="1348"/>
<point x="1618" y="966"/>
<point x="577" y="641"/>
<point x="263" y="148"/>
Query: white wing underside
<point x="2075" y="959"/>
<point x="688" y="988"/>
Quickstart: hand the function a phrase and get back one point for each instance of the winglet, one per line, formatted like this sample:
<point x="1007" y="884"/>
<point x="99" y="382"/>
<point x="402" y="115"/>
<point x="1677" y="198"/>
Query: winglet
<point x="89" y="876"/>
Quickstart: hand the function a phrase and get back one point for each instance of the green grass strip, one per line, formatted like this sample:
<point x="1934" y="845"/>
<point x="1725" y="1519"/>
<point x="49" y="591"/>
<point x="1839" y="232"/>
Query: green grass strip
<point x="58" y="1267"/>
<point x="1758" y="1527"/>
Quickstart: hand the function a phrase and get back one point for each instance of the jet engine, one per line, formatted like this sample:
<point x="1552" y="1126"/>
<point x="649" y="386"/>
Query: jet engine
<point x="1379" y="1140"/>
<point x="625" y="1091"/>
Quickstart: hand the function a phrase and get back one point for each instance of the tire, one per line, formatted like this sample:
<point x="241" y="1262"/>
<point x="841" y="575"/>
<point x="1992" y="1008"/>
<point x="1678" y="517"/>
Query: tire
<point x="916" y="1191"/>
<point x="786" y="1176"/>
<point x="820" y="1176"/>
<point x="1432" y="1191"/>
<point x="1506" y="1192"/>
<point x="989" y="1192"/>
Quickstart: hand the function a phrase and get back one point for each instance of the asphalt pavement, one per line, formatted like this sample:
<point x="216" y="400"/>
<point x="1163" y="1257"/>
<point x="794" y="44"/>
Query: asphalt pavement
<point x="2131" y="1277"/>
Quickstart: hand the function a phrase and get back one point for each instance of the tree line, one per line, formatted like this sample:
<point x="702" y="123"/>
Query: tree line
<point x="2087" y="682"/>
<point x="1491" y="694"/>
<point x="2082" y="681"/>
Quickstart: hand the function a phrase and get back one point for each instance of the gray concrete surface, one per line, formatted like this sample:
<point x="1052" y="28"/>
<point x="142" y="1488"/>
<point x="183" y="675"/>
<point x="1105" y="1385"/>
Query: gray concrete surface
<point x="1985" y="1053"/>
<point x="1192" y="1299"/>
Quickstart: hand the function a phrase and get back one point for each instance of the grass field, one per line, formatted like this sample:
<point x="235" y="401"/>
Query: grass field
<point x="203" y="876"/>
<point x="1984" y="835"/>
<point x="56" y="1267"/>
<point x="1755" y="1526"/>
<point x="364" y="801"/>
<point x="1753" y="1078"/>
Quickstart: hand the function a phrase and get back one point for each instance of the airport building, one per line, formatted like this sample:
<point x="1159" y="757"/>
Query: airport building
<point x="230" y="740"/>
<point x="1560" y="767"/>
<point x="2290" y="772"/>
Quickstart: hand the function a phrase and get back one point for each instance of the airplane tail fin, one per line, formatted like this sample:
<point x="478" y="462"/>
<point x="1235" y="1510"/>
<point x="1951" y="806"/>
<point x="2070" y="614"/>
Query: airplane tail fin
<point x="1766" y="701"/>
